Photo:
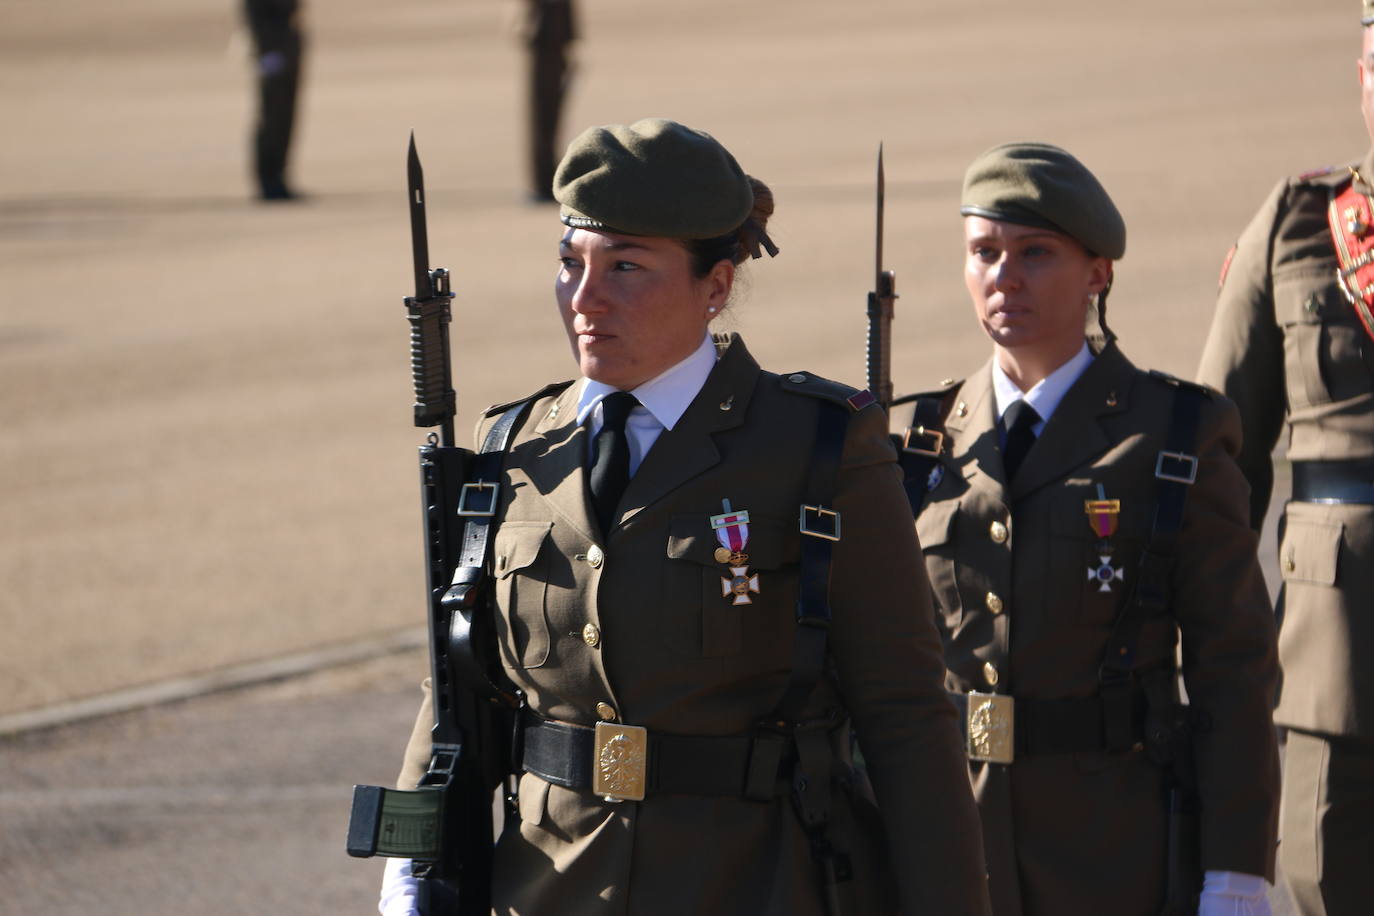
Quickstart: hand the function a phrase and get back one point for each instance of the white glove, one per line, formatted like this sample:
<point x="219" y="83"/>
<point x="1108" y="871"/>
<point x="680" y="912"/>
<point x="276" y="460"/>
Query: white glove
<point x="399" y="889"/>
<point x="1231" y="893"/>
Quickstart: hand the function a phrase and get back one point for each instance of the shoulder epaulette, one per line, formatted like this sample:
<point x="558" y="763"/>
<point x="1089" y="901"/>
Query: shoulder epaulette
<point x="1318" y="173"/>
<point x="815" y="386"/>
<point x="1176" y="382"/>
<point x="555" y="388"/>
<point x="947" y="388"/>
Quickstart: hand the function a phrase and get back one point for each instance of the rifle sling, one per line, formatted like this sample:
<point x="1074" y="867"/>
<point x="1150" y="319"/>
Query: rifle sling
<point x="928" y="417"/>
<point x="1175" y="469"/>
<point x="470" y="648"/>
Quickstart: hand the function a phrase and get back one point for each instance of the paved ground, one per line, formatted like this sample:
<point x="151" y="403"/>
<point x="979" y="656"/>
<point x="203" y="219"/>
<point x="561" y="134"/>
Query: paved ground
<point x="206" y="442"/>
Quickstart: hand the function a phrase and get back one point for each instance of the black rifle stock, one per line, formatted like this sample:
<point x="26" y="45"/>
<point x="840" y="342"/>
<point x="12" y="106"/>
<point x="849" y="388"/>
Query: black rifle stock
<point x="881" y="310"/>
<point x="446" y="824"/>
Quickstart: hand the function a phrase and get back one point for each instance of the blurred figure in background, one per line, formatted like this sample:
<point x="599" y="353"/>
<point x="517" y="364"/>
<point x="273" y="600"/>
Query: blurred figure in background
<point x="548" y="31"/>
<point x="278" y="39"/>
<point x="1292" y="343"/>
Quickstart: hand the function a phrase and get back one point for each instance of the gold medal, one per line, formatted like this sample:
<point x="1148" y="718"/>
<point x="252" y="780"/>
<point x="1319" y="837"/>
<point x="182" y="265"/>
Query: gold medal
<point x="723" y="554"/>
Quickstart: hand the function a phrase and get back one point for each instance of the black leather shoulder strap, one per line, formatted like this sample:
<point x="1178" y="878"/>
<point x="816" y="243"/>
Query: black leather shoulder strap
<point x="820" y="529"/>
<point x="471" y="647"/>
<point x="1175" y="471"/>
<point x="919" y="447"/>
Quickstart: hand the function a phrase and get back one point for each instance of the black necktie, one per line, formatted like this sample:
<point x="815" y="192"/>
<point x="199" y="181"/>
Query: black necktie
<point x="610" y="470"/>
<point x="1018" y="420"/>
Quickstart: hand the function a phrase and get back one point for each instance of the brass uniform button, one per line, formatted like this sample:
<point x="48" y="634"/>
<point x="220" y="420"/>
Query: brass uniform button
<point x="595" y="557"/>
<point x="605" y="711"/>
<point x="990" y="672"/>
<point x="591" y="635"/>
<point x="1289" y="564"/>
<point x="998" y="532"/>
<point x="961" y="409"/>
<point x="995" y="605"/>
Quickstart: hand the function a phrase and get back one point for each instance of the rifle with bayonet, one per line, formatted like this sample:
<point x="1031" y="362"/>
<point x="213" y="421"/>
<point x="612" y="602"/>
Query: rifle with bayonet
<point x="445" y="825"/>
<point x="881" y="310"/>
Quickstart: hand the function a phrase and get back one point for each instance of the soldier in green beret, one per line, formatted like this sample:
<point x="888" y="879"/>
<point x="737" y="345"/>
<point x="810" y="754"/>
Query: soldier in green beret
<point x="1292" y="342"/>
<point x="1078" y="517"/>
<point x="706" y="583"/>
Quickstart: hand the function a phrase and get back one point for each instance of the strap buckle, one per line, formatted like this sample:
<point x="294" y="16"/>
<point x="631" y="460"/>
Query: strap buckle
<point x="935" y="437"/>
<point x="991" y="721"/>
<point x="621" y="762"/>
<point x="1177" y="467"/>
<point x="478" y="500"/>
<point x="820" y="522"/>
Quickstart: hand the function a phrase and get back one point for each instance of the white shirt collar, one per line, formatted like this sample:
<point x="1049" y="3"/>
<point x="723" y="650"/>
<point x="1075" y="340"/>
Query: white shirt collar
<point x="667" y="395"/>
<point x="1047" y="393"/>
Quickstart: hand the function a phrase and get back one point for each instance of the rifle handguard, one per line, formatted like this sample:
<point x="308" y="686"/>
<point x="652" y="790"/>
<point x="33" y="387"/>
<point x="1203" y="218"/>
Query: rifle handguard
<point x="429" y="318"/>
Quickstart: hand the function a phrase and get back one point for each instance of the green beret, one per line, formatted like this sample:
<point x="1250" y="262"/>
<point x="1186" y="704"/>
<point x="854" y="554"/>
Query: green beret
<point x="1035" y="184"/>
<point x="653" y="177"/>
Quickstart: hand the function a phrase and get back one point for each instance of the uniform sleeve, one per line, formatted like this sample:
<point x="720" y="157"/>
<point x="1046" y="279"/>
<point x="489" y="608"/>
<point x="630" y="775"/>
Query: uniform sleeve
<point x="418" y="749"/>
<point x="1230" y="661"/>
<point x="1243" y="355"/>
<point x="891" y="673"/>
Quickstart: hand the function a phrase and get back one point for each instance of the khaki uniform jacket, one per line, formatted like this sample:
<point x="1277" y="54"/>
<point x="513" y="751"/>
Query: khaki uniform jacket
<point x="669" y="653"/>
<point x="1287" y="346"/>
<point x="1085" y="832"/>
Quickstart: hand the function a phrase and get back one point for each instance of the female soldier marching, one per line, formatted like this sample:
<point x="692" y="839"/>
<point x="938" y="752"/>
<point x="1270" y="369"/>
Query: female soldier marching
<point x="650" y="565"/>
<point x="1077" y="515"/>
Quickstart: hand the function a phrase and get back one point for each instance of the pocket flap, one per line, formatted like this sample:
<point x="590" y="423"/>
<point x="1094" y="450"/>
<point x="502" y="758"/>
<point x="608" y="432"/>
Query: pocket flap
<point x="517" y="546"/>
<point x="935" y="524"/>
<point x="1306" y="295"/>
<point x="772" y="542"/>
<point x="1310" y="550"/>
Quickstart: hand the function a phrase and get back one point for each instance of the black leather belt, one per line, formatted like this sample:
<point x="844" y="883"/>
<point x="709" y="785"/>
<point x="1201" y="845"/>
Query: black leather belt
<point x="1062" y="726"/>
<point x="564" y="754"/>
<point x="1334" y="482"/>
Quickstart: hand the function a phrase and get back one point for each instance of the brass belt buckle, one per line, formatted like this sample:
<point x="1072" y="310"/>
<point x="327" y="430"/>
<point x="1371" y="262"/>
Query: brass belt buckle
<point x="622" y="756"/>
<point x="991" y="721"/>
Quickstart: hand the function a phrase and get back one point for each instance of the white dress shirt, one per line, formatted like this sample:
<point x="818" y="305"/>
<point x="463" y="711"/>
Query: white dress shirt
<point x="1047" y="393"/>
<point x="663" y="400"/>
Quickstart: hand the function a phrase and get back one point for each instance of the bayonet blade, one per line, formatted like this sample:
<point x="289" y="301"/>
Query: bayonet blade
<point x="419" y="235"/>
<point x="882" y="189"/>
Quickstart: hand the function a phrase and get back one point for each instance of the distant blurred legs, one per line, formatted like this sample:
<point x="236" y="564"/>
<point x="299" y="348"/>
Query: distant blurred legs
<point x="549" y="31"/>
<point x="277" y="43"/>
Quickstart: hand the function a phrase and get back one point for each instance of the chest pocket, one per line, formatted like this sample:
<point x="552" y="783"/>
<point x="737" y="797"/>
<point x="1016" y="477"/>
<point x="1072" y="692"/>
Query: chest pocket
<point x="520" y="565"/>
<point x="700" y="617"/>
<point x="1098" y="574"/>
<point x="1327" y="354"/>
<point x="935" y="529"/>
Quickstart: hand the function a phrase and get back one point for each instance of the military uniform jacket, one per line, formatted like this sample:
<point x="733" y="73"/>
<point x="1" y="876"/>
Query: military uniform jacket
<point x="637" y="621"/>
<point x="1286" y="345"/>
<point x="1021" y="614"/>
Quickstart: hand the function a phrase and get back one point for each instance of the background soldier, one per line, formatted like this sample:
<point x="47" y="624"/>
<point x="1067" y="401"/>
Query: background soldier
<point x="1057" y="465"/>
<point x="1290" y="344"/>
<point x="548" y="32"/>
<point x="278" y="40"/>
